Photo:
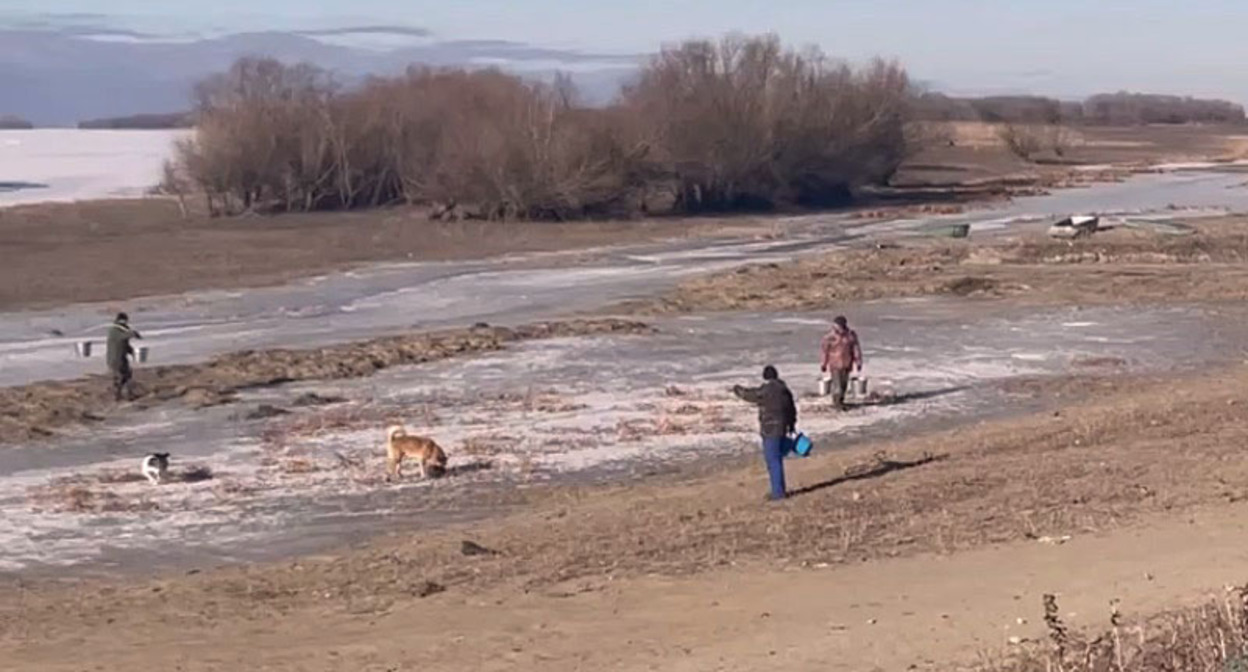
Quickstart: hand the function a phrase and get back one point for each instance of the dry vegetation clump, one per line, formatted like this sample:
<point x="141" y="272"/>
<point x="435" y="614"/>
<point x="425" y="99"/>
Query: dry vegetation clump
<point x="1028" y="141"/>
<point x="95" y="493"/>
<point x="32" y="411"/>
<point x="288" y="430"/>
<point x="853" y="275"/>
<point x="68" y="498"/>
<point x="1210" y="638"/>
<point x="742" y="123"/>
<point x="1121" y="265"/>
<point x="1213" y="242"/>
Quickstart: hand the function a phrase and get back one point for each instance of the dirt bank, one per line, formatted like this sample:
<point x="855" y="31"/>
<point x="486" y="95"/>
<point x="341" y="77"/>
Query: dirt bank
<point x="1121" y="266"/>
<point x="1136" y="448"/>
<point x="116" y="250"/>
<point x="35" y="411"/>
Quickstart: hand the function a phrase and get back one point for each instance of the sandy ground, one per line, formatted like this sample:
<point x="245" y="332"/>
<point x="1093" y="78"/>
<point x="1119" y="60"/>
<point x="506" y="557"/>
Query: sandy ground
<point x="943" y="543"/>
<point x="913" y="613"/>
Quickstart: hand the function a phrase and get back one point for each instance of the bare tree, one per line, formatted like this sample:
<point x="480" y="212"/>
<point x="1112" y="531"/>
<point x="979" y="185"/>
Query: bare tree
<point x="174" y="182"/>
<point x="741" y="123"/>
<point x="1022" y="140"/>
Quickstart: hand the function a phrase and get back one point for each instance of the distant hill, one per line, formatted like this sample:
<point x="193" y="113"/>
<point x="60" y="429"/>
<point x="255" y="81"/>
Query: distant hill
<point x="13" y="123"/>
<point x="43" y="78"/>
<point x="141" y="122"/>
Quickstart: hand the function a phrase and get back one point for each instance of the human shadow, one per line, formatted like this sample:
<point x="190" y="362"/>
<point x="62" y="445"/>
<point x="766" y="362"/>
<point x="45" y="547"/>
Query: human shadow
<point x="909" y="397"/>
<point x="881" y="467"/>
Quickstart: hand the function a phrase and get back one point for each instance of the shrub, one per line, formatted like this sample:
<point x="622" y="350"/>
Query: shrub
<point x="737" y="124"/>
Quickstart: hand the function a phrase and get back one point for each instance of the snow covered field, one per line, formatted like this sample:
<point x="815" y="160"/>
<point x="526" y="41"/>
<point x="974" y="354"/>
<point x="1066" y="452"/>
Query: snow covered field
<point x="73" y="165"/>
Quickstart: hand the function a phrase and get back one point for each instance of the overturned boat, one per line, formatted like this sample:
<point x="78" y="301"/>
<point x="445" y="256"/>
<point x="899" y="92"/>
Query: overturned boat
<point x="1075" y="227"/>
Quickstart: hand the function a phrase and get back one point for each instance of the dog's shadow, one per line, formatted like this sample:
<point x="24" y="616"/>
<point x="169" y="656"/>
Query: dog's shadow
<point x="192" y="474"/>
<point x="882" y="467"/>
<point x="466" y="469"/>
<point x="197" y="474"/>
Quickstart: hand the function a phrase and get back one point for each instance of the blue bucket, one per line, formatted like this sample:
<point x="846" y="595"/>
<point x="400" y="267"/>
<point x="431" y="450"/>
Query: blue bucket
<point x="800" y="445"/>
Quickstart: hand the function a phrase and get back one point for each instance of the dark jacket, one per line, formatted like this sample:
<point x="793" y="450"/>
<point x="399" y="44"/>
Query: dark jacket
<point x="119" y="348"/>
<point x="777" y="414"/>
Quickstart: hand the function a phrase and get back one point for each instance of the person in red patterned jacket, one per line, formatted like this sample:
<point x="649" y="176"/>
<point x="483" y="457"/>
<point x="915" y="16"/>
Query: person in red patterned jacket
<point x="840" y="355"/>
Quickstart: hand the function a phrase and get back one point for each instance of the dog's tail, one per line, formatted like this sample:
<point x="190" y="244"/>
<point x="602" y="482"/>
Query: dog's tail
<point x="395" y="431"/>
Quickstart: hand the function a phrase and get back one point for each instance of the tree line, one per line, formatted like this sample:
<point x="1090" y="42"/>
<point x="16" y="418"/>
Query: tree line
<point x="1108" y="109"/>
<point x="707" y="126"/>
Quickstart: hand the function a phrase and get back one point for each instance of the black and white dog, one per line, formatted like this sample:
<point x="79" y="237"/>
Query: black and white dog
<point x="156" y="467"/>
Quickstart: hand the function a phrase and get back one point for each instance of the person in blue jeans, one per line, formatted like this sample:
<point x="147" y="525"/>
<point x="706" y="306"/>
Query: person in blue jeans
<point x="777" y="419"/>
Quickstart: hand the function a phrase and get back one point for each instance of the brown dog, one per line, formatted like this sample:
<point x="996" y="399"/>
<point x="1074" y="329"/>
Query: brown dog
<point x="399" y="444"/>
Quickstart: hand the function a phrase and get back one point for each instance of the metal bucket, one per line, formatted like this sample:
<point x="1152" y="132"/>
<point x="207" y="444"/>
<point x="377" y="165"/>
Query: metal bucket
<point x="142" y="354"/>
<point x="83" y="348"/>
<point x="858" y="385"/>
<point x="825" y="387"/>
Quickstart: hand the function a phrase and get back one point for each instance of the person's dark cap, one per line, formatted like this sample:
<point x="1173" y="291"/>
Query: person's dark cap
<point x="122" y="317"/>
<point x="840" y="321"/>
<point x="770" y="373"/>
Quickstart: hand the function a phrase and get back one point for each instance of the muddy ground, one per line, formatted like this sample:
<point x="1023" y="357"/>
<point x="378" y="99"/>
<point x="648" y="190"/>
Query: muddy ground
<point x="62" y="253"/>
<point x="1128" y="451"/>
<point x="911" y="552"/>
<point x="36" y="411"/>
<point x="1119" y="266"/>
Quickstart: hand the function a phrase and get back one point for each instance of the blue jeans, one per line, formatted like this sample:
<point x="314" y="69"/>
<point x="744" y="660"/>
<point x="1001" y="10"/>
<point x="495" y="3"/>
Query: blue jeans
<point x="773" y="454"/>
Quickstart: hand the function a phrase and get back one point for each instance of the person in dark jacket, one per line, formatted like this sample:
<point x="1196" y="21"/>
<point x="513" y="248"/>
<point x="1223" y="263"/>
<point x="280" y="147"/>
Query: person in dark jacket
<point x="118" y="355"/>
<point x="777" y="419"/>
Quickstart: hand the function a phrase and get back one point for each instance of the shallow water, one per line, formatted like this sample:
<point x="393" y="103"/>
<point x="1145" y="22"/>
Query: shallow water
<point x="386" y="299"/>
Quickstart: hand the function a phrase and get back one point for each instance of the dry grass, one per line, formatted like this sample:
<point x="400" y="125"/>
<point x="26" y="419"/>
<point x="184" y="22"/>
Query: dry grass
<point x="96" y="493"/>
<point x="1133" y="449"/>
<point x="1120" y="266"/>
<point x="86" y="242"/>
<point x="81" y="499"/>
<point x="974" y="155"/>
<point x="1210" y="638"/>
<point x="1128" y="449"/>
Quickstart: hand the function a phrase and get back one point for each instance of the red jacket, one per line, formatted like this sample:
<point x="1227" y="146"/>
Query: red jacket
<point x="840" y="350"/>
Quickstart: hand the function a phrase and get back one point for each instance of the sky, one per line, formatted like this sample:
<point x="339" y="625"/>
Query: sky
<point x="1052" y="47"/>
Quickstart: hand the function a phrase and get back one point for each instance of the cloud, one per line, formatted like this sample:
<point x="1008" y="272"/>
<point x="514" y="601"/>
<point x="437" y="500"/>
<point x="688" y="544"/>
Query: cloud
<point x="400" y="31"/>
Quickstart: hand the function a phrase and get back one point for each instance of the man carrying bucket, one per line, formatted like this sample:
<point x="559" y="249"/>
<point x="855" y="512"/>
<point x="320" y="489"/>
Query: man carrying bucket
<point x="119" y="353"/>
<point x="777" y="418"/>
<point x="840" y="354"/>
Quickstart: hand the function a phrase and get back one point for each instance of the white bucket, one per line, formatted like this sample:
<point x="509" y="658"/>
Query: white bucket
<point x="858" y="385"/>
<point x="825" y="387"/>
<point x="83" y="348"/>
<point x="143" y="354"/>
